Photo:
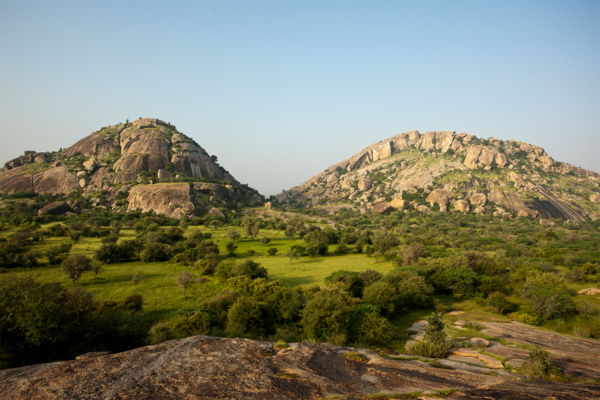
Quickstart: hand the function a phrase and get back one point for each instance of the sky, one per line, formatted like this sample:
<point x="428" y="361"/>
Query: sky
<point x="281" y="90"/>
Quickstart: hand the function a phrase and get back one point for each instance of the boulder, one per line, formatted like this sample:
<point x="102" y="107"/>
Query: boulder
<point x="164" y="175"/>
<point x="547" y="222"/>
<point x="382" y="208"/>
<point x="436" y="196"/>
<point x="501" y="160"/>
<point x="530" y="187"/>
<point x="166" y="198"/>
<point x="595" y="199"/>
<point x="399" y="204"/>
<point x="424" y="209"/>
<point x="215" y="211"/>
<point x="479" y="210"/>
<point x="58" y="208"/>
<point x="54" y="181"/>
<point x="365" y="184"/>
<point x="189" y="210"/>
<point x="462" y="206"/>
<point x="526" y="212"/>
<point x="268" y="204"/>
<point x="472" y="157"/>
<point x="478" y="199"/>
<point x="82" y="173"/>
<point x="91" y="164"/>
<point x="487" y="156"/>
<point x="83" y="182"/>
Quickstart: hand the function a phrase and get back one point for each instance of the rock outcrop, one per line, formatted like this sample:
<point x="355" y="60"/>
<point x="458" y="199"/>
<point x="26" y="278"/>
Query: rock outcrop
<point x="171" y="199"/>
<point x="445" y="167"/>
<point x="201" y="367"/>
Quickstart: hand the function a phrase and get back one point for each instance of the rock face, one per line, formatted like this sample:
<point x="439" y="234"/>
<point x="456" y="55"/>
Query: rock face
<point x="365" y="184"/>
<point x="170" y="199"/>
<point x="164" y="175"/>
<point x="595" y="199"/>
<point x="461" y="206"/>
<point x="202" y="367"/>
<point x="399" y="204"/>
<point x="382" y="208"/>
<point x="478" y="199"/>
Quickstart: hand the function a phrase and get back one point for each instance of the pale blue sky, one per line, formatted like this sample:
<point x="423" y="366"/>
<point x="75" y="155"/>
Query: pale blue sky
<point x="280" y="90"/>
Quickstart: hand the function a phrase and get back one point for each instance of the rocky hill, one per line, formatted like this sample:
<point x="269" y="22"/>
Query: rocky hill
<point x="147" y="161"/>
<point x="445" y="171"/>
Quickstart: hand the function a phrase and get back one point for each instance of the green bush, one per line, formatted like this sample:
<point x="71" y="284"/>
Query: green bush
<point x="246" y="317"/>
<point x="326" y="316"/>
<point x="539" y="365"/>
<point x="160" y="332"/>
<point x="375" y="329"/>
<point x="157" y="252"/>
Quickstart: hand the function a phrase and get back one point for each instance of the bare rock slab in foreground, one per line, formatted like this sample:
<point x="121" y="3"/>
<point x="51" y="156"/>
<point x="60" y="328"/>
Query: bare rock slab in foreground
<point x="202" y="367"/>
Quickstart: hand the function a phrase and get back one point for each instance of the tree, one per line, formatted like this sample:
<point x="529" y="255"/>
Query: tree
<point x="326" y="315"/>
<point x="137" y="278"/>
<point x="251" y="226"/>
<point x="272" y="251"/>
<point x="75" y="265"/>
<point x="233" y="234"/>
<point x="265" y="240"/>
<point x="96" y="268"/>
<point x="57" y="253"/>
<point x="498" y="301"/>
<point x="292" y="254"/>
<point x="185" y="279"/>
<point x="412" y="252"/>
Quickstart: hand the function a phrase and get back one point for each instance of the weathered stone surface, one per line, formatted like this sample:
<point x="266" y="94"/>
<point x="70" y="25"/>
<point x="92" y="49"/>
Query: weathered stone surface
<point x="365" y="184"/>
<point x="501" y="160"/>
<point x="436" y="196"/>
<point x="10" y="184"/>
<point x="547" y="222"/>
<point x="202" y="367"/>
<point x="164" y="175"/>
<point x="83" y="182"/>
<point x="462" y="206"/>
<point x="399" y="204"/>
<point x="165" y="198"/>
<point x="54" y="181"/>
<point x="527" y="212"/>
<point x="91" y="164"/>
<point x="478" y="199"/>
<point x="382" y="208"/>
<point x="58" y="208"/>
<point x="595" y="199"/>
<point x="215" y="211"/>
<point x="530" y="187"/>
<point x="472" y="157"/>
<point x="96" y="144"/>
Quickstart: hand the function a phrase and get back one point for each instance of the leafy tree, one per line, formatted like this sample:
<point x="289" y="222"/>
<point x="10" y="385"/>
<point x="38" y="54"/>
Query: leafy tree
<point x="369" y="277"/>
<point x="246" y="317"/>
<point x="412" y="252"/>
<point x="498" y="301"/>
<point x="384" y="241"/>
<point x="96" y="268"/>
<point x="345" y="280"/>
<point x="383" y="294"/>
<point x="326" y="316"/>
<point x="41" y="322"/>
<point x="233" y="234"/>
<point x="57" y="253"/>
<point x="251" y="226"/>
<point x="375" y="329"/>
<point x="75" y="265"/>
<point x="548" y="301"/>
<point x="185" y="279"/>
<point x="265" y="240"/>
<point x="137" y="278"/>
<point x="272" y="251"/>
<point x="491" y="284"/>
<point x="157" y="252"/>
<point x="292" y="254"/>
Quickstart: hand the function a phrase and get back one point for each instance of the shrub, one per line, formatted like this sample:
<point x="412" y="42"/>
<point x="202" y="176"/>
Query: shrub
<point x="435" y="343"/>
<point x="548" y="301"/>
<point x="280" y="345"/>
<point x="326" y="316"/>
<point x="248" y="268"/>
<point x="57" y="253"/>
<point x="369" y="277"/>
<point x="157" y="252"/>
<point x="197" y="323"/>
<point x="539" y="365"/>
<point x="383" y="294"/>
<point x="498" y="301"/>
<point x="159" y="333"/>
<point x="348" y="279"/>
<point x="133" y="302"/>
<point x="265" y="240"/>
<point x="245" y="317"/>
<point x="272" y="251"/>
<point x="356" y="356"/>
<point x="411" y="253"/>
<point x="375" y="329"/>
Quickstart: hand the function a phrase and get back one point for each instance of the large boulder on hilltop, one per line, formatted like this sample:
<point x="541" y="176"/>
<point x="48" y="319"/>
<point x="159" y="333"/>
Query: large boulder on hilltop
<point x="170" y="199"/>
<point x="462" y="206"/>
<point x="437" y="196"/>
<point x="478" y="199"/>
<point x="59" y="208"/>
<point x="399" y="204"/>
<point x="365" y="184"/>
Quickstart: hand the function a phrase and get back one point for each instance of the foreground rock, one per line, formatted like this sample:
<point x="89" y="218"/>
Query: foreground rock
<point x="201" y="367"/>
